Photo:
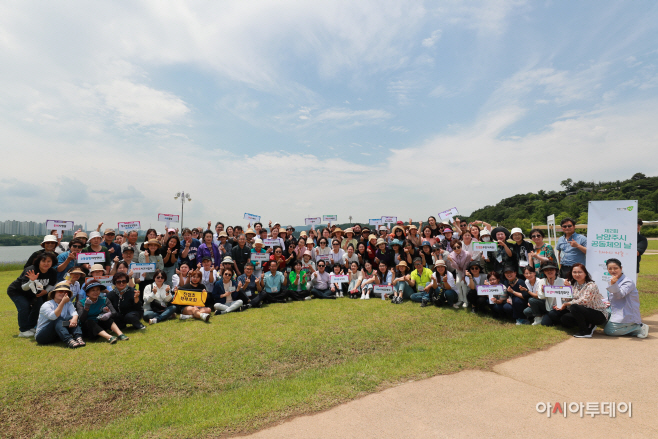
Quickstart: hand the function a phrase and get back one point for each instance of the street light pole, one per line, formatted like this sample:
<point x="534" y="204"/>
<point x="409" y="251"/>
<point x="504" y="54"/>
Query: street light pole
<point x="183" y="196"/>
<point x="350" y="220"/>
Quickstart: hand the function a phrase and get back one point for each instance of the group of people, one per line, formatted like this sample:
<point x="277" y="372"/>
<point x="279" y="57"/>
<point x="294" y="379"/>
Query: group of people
<point x="232" y="269"/>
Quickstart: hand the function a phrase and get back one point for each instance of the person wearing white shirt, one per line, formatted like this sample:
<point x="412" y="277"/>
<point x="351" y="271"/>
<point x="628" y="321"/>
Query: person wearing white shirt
<point x="157" y="301"/>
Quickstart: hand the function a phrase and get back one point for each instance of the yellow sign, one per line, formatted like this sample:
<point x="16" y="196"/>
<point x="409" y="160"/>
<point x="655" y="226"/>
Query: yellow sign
<point x="190" y="298"/>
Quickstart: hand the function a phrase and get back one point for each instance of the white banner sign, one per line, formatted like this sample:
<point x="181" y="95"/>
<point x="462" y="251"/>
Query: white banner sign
<point x="142" y="267"/>
<point x="329" y="218"/>
<point x="106" y="281"/>
<point x="611" y="233"/>
<point x="382" y="289"/>
<point x="168" y="218"/>
<point x="260" y="257"/>
<point x="375" y="222"/>
<point x="252" y="218"/>
<point x="128" y="226"/>
<point x="271" y="242"/>
<point x="448" y="214"/>
<point x="319" y="258"/>
<point x="313" y="221"/>
<point x="58" y="225"/>
<point x="389" y="219"/>
<point x="339" y="279"/>
<point x="490" y="290"/>
<point x="91" y="258"/>
<point x="484" y="246"/>
<point x="559" y="293"/>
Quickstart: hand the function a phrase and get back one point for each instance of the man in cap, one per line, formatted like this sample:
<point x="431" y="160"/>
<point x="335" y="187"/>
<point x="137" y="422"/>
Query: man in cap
<point x="112" y="247"/>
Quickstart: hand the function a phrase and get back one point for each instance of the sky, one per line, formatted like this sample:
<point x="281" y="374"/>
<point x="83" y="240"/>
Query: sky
<point x="291" y="109"/>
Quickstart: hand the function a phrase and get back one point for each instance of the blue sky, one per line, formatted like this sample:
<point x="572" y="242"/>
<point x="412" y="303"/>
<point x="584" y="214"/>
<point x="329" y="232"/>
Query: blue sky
<point x="289" y="109"/>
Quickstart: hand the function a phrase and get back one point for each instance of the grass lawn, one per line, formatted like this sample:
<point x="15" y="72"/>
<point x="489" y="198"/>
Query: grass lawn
<point x="653" y="244"/>
<point x="244" y="371"/>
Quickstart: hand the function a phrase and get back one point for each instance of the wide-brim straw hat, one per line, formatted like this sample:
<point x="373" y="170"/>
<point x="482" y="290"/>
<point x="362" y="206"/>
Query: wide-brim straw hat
<point x="62" y="286"/>
<point x="402" y="264"/>
<point x="250" y="232"/>
<point x="153" y="242"/>
<point x="96" y="267"/>
<point x="336" y="230"/>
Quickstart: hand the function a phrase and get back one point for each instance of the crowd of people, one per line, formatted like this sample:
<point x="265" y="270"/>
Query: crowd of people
<point x="235" y="270"/>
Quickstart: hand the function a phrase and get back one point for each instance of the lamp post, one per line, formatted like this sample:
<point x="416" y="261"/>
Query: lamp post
<point x="183" y="196"/>
<point x="350" y="220"/>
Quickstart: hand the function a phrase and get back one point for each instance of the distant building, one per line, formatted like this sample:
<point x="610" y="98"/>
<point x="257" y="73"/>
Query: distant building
<point x="28" y="228"/>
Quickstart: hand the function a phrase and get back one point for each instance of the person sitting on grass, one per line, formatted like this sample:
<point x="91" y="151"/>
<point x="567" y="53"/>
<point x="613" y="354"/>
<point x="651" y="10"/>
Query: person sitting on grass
<point x="421" y="279"/>
<point x="475" y="277"/>
<point x="586" y="309"/>
<point x="552" y="316"/>
<point x="127" y="302"/>
<point x="384" y="276"/>
<point x="443" y="286"/>
<point x="368" y="280"/>
<point x="95" y="313"/>
<point x="502" y="306"/>
<point x="274" y="283"/>
<point x="198" y="312"/>
<point x="401" y="288"/>
<point x="29" y="290"/>
<point x="355" y="278"/>
<point x="297" y="280"/>
<point x="157" y="300"/>
<point x="336" y="287"/>
<point x="225" y="294"/>
<point x="518" y="293"/>
<point x="58" y="319"/>
<point x="249" y="288"/>
<point x="536" y="307"/>
<point x="624" y="304"/>
<point x="319" y="284"/>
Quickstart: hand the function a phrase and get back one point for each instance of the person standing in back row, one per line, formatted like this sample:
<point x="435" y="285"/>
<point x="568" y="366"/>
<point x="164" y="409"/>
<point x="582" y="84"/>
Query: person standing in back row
<point x="571" y="247"/>
<point x="641" y="243"/>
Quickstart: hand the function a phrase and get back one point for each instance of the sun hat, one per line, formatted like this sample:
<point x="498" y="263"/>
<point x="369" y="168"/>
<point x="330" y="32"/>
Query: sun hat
<point x="153" y="242"/>
<point x="396" y="242"/>
<point x="440" y="263"/>
<point x="49" y="238"/>
<point x="495" y="231"/>
<point x="402" y="264"/>
<point x="336" y="230"/>
<point x="426" y="243"/>
<point x="222" y="234"/>
<point x="397" y="227"/>
<point x="227" y="260"/>
<point x="548" y="266"/>
<point x="108" y="231"/>
<point x="258" y="241"/>
<point x="96" y="267"/>
<point x="77" y="270"/>
<point x="413" y="226"/>
<point x="307" y="253"/>
<point x="250" y="231"/>
<point x="485" y="232"/>
<point x="447" y="230"/>
<point x="372" y="237"/>
<point x="517" y="230"/>
<point x="365" y="230"/>
<point x="303" y="234"/>
<point x="94" y="234"/>
<point x="80" y="235"/>
<point x="381" y="241"/>
<point x="349" y="230"/>
<point x="436" y="247"/>
<point x="62" y="286"/>
<point x="95" y="284"/>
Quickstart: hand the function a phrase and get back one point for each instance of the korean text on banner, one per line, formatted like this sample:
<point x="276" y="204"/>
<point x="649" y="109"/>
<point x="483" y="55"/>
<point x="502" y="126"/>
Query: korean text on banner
<point x="490" y="290"/>
<point x="313" y="221"/>
<point x="375" y="222"/>
<point x="252" y="218"/>
<point x="260" y="257"/>
<point x="91" y="258"/>
<point x="271" y="242"/>
<point x="168" y="218"/>
<point x="128" y="226"/>
<point x="611" y="233"/>
<point x="484" y="246"/>
<point x="106" y="281"/>
<point x="325" y="258"/>
<point x="389" y="219"/>
<point x="339" y="279"/>
<point x="190" y="298"/>
<point x="382" y="289"/>
<point x="144" y="267"/>
<point x="558" y="292"/>
<point x="329" y="218"/>
<point x="448" y="214"/>
<point x="58" y="225"/>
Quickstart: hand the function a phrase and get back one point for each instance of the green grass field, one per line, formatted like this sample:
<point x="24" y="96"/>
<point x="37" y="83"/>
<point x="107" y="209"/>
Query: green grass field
<point x="244" y="371"/>
<point x="653" y="244"/>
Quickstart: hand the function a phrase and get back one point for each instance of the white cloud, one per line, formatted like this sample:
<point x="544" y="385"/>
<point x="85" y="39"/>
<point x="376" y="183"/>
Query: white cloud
<point x="432" y="39"/>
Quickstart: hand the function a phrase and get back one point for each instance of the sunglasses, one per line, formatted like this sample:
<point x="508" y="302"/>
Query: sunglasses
<point x="567" y="226"/>
<point x="320" y="265"/>
<point x="121" y="282"/>
<point x="536" y="236"/>
<point x="278" y="251"/>
<point x="76" y="246"/>
<point x="335" y="243"/>
<point x="227" y="274"/>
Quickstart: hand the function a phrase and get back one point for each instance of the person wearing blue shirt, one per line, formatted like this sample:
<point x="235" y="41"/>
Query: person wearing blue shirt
<point x="274" y="284"/>
<point x="67" y="260"/>
<point x="571" y="247"/>
<point x="225" y="293"/>
<point x="249" y="288"/>
<point x="188" y="249"/>
<point x="112" y="247"/>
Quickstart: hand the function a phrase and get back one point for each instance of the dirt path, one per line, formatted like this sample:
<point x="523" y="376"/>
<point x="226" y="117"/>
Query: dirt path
<point x="502" y="403"/>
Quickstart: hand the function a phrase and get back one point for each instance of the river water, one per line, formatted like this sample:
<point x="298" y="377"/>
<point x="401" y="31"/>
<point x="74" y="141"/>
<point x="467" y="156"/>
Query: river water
<point x="18" y="253"/>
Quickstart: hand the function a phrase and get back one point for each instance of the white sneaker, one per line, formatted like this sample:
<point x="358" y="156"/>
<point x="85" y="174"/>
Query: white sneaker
<point x="185" y="317"/>
<point x="537" y="321"/>
<point x="644" y="331"/>
<point x="465" y="305"/>
<point x="205" y="317"/>
<point x="308" y="297"/>
<point x="33" y="330"/>
<point x="368" y="296"/>
<point x="363" y="296"/>
<point x="26" y="334"/>
<point x="153" y="321"/>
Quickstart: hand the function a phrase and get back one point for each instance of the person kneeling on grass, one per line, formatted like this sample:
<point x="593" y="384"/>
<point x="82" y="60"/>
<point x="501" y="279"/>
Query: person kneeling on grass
<point x="443" y="284"/>
<point x="355" y="277"/>
<point x="518" y="294"/>
<point x="95" y="313"/>
<point x="421" y="279"/>
<point x="58" y="319"/>
<point x="319" y="284"/>
<point x="475" y="277"/>
<point x="157" y="299"/>
<point x="197" y="312"/>
<point x="502" y="306"/>
<point x="536" y="306"/>
<point x="225" y="293"/>
<point x="126" y="301"/>
<point x="586" y="309"/>
<point x="274" y="283"/>
<point x="624" y="303"/>
<point x="297" y="280"/>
